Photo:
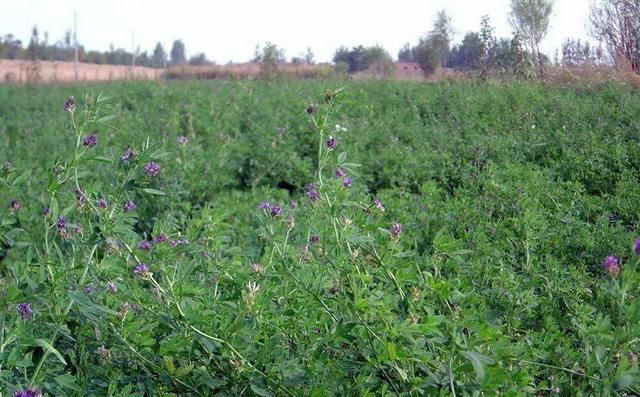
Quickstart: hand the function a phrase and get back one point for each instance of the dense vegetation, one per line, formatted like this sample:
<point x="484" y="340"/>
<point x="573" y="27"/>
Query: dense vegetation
<point x="222" y="239"/>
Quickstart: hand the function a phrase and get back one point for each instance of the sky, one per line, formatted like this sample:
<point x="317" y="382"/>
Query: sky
<point x="230" y="30"/>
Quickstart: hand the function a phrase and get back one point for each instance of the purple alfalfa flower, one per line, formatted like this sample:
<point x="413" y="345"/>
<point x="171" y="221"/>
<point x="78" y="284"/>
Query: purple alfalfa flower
<point x="312" y="194"/>
<point x="331" y="143"/>
<point x="265" y="205"/>
<point x="61" y="223"/>
<point x="611" y="265"/>
<point x="45" y="211"/>
<point x="314" y="239"/>
<point x="14" y="205"/>
<point x="30" y="392"/>
<point x="24" y="310"/>
<point x="129" y="206"/>
<point x="395" y="231"/>
<point x="144" y="245"/>
<point x="346" y="182"/>
<point x="339" y="173"/>
<point x="275" y="211"/>
<point x="256" y="268"/>
<point x="102" y="203"/>
<point x="80" y="198"/>
<point x="161" y="238"/>
<point x="70" y="104"/>
<point x="141" y="269"/>
<point x="152" y="168"/>
<point x="89" y="289"/>
<point x="293" y="204"/>
<point x="90" y="140"/>
<point x="127" y="155"/>
<point x="113" y="288"/>
<point x="291" y="222"/>
<point x="76" y="229"/>
<point x="636" y="246"/>
<point x="378" y="204"/>
<point x="182" y="140"/>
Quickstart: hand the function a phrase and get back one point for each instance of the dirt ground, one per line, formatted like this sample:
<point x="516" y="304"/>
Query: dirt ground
<point x="20" y="71"/>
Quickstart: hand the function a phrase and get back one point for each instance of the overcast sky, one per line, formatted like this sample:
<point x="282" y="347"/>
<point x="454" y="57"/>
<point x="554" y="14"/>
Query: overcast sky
<point x="230" y="29"/>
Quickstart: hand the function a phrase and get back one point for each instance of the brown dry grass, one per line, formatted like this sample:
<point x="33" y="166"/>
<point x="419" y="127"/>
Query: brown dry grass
<point x="21" y="71"/>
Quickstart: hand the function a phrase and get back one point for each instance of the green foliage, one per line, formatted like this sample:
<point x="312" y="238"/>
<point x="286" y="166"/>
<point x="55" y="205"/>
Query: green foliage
<point x="509" y="197"/>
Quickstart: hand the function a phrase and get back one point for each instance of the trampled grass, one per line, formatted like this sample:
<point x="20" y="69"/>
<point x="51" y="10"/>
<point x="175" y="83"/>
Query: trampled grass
<point x="294" y="239"/>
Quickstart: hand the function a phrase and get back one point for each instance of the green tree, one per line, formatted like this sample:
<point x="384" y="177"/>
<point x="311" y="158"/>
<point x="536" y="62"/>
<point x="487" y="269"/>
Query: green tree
<point x="178" y="56"/>
<point x="159" y="57"/>
<point x="269" y="57"/>
<point x="441" y="35"/>
<point x="530" y="18"/>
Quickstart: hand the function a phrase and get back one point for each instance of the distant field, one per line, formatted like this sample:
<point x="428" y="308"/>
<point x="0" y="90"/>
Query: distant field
<point x="20" y="71"/>
<point x="289" y="238"/>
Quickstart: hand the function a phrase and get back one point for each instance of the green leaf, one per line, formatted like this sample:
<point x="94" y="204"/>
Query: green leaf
<point x="478" y="361"/>
<point x="154" y="192"/>
<point x="621" y="382"/>
<point x="45" y="345"/>
<point x="342" y="157"/>
<point x="68" y="381"/>
<point x="391" y="350"/>
<point x="260" y="391"/>
<point x="103" y="159"/>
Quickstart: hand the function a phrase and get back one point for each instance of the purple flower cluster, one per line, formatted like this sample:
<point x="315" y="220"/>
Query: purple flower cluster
<point x="272" y="209"/>
<point x="14" y="205"/>
<point x="112" y="287"/>
<point x="30" y="392"/>
<point x="314" y="239"/>
<point x="346" y="182"/>
<point x="141" y="269"/>
<point x="611" y="265"/>
<point x="636" y="246"/>
<point x="90" y="140"/>
<point x="129" y="206"/>
<point x="339" y="173"/>
<point x="161" y="238"/>
<point x="127" y="155"/>
<point x="61" y="225"/>
<point x="182" y="140"/>
<point x="24" y="310"/>
<point x="80" y="198"/>
<point x="144" y="245"/>
<point x="331" y="143"/>
<point x="101" y="203"/>
<point x="152" y="168"/>
<point x="378" y="204"/>
<point x="312" y="193"/>
<point x="45" y="211"/>
<point x="175" y="243"/>
<point x="70" y="104"/>
<point x="395" y="231"/>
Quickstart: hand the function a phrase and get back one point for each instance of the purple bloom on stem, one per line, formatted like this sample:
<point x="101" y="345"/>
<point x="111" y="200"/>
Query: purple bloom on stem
<point x="256" y="268"/>
<point x="636" y="246"/>
<point x="312" y="194"/>
<point x="339" y="173"/>
<point x="14" y="205"/>
<point x="378" y="204"/>
<point x="112" y="287"/>
<point x="293" y="204"/>
<point x="89" y="289"/>
<point x="70" y="104"/>
<point x="161" y="238"/>
<point x="141" y="269"/>
<point x="331" y="143"/>
<point x="101" y="203"/>
<point x="314" y="239"/>
<point x="61" y="223"/>
<point x="346" y="182"/>
<point x="152" y="168"/>
<point x="611" y="265"/>
<point x="144" y="245"/>
<point x="275" y="211"/>
<point x="182" y="140"/>
<point x="24" y="310"/>
<point x="265" y="205"/>
<point x="127" y="155"/>
<point x="80" y="197"/>
<point x="45" y="211"/>
<point x="395" y="231"/>
<point x="90" y="140"/>
<point x="76" y="229"/>
<point x="129" y="206"/>
<point x="30" y="392"/>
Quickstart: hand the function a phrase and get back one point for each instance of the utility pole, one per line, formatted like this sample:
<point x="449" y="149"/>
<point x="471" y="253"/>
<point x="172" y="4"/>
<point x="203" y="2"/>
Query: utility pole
<point x="133" y="49"/>
<point x="75" y="45"/>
